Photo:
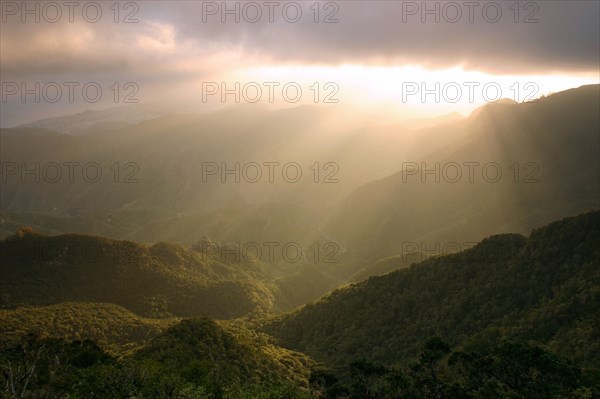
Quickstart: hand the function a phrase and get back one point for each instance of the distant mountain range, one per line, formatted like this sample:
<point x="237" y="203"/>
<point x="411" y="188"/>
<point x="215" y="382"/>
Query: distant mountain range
<point x="542" y="164"/>
<point x="380" y="202"/>
<point x="89" y="122"/>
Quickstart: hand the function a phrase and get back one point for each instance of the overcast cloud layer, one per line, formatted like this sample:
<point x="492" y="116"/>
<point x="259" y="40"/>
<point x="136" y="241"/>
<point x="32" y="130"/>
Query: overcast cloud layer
<point x="565" y="36"/>
<point x="177" y="42"/>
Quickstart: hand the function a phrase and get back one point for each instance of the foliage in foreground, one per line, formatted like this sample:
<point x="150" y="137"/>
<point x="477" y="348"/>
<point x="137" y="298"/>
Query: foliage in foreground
<point x="51" y="368"/>
<point x="191" y="360"/>
<point x="512" y="370"/>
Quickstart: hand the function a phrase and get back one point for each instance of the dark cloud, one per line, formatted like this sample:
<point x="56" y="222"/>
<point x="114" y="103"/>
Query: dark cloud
<point x="174" y="44"/>
<point x="549" y="35"/>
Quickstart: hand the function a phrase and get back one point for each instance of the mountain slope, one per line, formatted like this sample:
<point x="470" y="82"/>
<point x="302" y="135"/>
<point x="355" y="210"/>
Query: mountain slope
<point x="545" y="287"/>
<point x="112" y="327"/>
<point x="387" y="265"/>
<point x="231" y="351"/>
<point x="195" y="358"/>
<point x="158" y="280"/>
<point x="164" y="159"/>
<point x="510" y="168"/>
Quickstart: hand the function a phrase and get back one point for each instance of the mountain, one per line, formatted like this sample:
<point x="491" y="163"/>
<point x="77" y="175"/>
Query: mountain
<point x="220" y="279"/>
<point x="359" y="184"/>
<point x="163" y="164"/>
<point x="195" y="358"/>
<point x="231" y="350"/>
<point x="115" y="118"/>
<point x="158" y="280"/>
<point x="502" y="319"/>
<point x="244" y="223"/>
<point x="303" y="285"/>
<point x="151" y="187"/>
<point x="544" y="288"/>
<point x="387" y="265"/>
<point x="114" y="328"/>
<point x="510" y="168"/>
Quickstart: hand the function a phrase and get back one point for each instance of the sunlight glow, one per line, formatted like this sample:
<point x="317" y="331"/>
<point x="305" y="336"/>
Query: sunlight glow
<point x="416" y="91"/>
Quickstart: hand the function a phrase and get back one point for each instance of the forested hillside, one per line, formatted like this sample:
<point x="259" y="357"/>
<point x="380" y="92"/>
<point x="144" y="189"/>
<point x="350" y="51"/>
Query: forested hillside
<point x="115" y="329"/>
<point x="159" y="280"/>
<point x="196" y="358"/>
<point x="512" y="317"/>
<point x="544" y="288"/>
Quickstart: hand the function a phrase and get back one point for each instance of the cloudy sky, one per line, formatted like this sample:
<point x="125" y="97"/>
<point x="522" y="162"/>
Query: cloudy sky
<point x="374" y="54"/>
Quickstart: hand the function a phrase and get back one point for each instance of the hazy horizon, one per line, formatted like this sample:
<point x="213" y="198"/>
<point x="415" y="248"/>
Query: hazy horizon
<point x="375" y="56"/>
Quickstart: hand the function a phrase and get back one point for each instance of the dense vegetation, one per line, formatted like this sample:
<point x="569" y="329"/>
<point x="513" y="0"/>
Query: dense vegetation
<point x="155" y="281"/>
<point x="544" y="288"/>
<point x="195" y="359"/>
<point x="513" y="317"/>
<point x="112" y="327"/>
<point x="510" y="370"/>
